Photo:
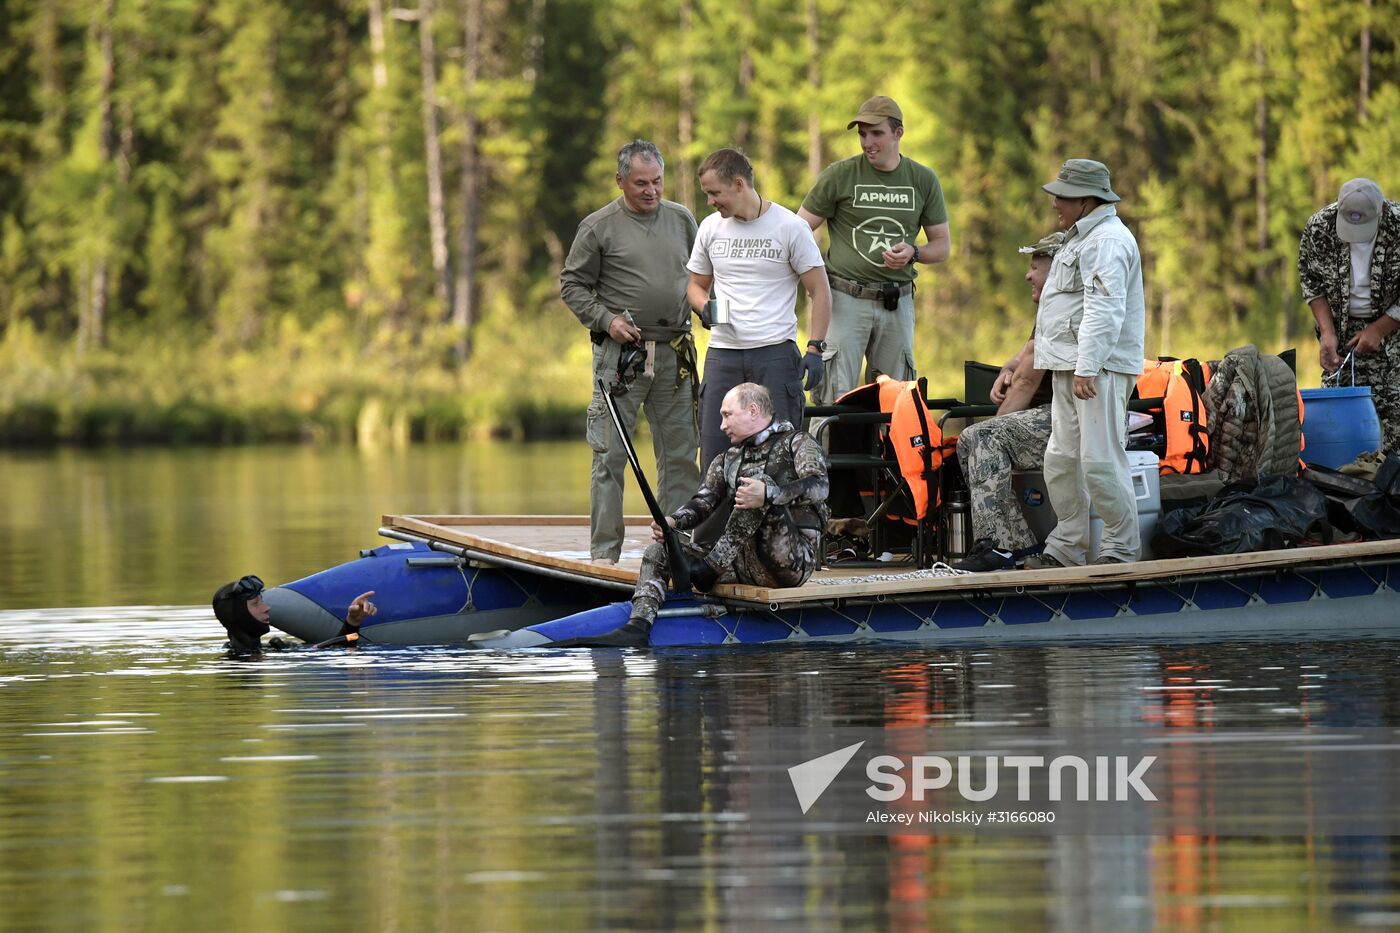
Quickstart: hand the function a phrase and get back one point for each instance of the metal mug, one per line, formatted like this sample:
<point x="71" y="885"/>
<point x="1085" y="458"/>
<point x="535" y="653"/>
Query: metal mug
<point x="717" y="310"/>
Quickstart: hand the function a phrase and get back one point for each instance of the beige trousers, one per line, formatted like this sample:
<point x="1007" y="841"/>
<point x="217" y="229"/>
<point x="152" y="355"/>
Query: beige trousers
<point x="1086" y="462"/>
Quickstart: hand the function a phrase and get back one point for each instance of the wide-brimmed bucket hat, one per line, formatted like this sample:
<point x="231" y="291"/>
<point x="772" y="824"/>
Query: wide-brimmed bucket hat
<point x="1082" y="178"/>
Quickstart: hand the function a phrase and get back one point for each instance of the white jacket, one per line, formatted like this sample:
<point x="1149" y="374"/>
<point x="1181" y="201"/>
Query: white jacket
<point x="1092" y="317"/>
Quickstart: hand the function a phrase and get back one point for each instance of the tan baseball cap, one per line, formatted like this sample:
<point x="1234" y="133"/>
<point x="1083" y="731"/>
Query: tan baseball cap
<point x="877" y="109"/>
<point x="1359" y="210"/>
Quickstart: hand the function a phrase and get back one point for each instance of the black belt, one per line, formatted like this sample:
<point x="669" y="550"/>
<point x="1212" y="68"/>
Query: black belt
<point x="874" y="292"/>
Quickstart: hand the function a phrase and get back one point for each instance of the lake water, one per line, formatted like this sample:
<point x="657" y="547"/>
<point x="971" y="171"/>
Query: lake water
<point x="146" y="782"/>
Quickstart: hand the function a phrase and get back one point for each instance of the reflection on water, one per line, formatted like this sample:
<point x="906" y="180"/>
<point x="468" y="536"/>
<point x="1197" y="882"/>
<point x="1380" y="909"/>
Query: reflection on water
<point x="148" y="783"/>
<point x="145" y="780"/>
<point x="166" y="527"/>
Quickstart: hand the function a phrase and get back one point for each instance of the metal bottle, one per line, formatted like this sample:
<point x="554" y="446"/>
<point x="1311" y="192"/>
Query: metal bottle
<point x="958" y="535"/>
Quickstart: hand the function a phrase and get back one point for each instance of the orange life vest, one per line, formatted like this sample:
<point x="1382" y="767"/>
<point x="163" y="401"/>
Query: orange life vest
<point x="918" y="444"/>
<point x="913" y="436"/>
<point x="1181" y="385"/>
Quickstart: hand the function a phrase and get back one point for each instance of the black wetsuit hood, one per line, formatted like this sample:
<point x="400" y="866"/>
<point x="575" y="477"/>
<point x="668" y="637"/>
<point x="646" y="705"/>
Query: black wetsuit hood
<point x="231" y="608"/>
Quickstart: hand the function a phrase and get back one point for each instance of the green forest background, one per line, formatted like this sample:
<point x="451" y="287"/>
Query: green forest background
<point x="228" y="220"/>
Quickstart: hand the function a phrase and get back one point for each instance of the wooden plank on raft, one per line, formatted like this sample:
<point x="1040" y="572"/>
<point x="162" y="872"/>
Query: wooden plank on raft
<point x="559" y="545"/>
<point x="467" y="520"/>
<point x="561" y="542"/>
<point x="1140" y="571"/>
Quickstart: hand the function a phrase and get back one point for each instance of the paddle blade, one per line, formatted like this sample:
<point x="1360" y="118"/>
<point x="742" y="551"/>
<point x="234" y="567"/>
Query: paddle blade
<point x="675" y="556"/>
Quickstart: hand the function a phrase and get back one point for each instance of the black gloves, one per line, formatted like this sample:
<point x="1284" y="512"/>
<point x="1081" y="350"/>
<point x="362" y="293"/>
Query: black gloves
<point x="813" y="370"/>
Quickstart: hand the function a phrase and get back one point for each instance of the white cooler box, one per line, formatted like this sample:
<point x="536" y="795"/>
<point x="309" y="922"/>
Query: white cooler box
<point x="1147" y="490"/>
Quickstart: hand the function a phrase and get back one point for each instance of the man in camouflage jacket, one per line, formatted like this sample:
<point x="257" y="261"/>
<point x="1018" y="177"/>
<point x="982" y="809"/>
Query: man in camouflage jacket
<point x="776" y="477"/>
<point x="1349" y="267"/>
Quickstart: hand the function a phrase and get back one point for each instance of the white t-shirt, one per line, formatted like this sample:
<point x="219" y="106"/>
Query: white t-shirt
<point x="755" y="265"/>
<point x="1360" y="292"/>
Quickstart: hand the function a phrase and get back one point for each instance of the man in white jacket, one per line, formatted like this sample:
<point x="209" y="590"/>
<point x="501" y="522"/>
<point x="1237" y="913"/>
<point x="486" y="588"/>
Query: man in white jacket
<point x="1089" y="335"/>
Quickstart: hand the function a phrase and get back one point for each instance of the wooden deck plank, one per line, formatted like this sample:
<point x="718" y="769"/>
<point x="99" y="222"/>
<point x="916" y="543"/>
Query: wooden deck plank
<point x="561" y="542"/>
<point x="560" y="545"/>
<point x="552" y="520"/>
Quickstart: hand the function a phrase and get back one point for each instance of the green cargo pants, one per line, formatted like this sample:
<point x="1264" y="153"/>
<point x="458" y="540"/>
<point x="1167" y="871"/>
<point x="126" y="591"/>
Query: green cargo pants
<point x="669" y="397"/>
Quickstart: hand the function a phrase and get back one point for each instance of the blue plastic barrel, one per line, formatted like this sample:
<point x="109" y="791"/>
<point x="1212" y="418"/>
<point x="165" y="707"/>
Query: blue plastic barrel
<point x="1338" y="424"/>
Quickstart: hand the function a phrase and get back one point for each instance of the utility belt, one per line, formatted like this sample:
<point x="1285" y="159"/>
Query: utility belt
<point x="887" y="293"/>
<point x="657" y="333"/>
<point x="667" y="335"/>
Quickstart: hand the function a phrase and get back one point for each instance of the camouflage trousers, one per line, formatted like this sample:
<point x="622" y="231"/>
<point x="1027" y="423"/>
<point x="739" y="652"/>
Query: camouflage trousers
<point x="988" y="451"/>
<point x="1380" y="371"/>
<point x="760" y="547"/>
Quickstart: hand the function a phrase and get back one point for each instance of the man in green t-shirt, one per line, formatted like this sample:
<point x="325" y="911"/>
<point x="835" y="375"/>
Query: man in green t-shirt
<point x="875" y="204"/>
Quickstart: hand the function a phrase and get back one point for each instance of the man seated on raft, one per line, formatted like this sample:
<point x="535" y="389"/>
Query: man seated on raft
<point x="1015" y="439"/>
<point x="245" y="615"/>
<point x="776" y="477"/>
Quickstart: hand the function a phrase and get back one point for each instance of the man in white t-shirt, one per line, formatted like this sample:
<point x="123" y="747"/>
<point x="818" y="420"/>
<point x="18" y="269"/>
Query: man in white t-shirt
<point x="753" y="253"/>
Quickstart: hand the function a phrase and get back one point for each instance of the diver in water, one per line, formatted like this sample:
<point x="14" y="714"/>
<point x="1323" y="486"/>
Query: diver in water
<point x="240" y="608"/>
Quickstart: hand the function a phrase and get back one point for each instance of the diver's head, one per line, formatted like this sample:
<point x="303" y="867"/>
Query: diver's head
<point x="239" y="607"/>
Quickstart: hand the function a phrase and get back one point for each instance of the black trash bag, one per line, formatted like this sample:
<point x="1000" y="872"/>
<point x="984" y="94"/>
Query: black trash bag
<point x="1355" y="505"/>
<point x="1270" y="513"/>
<point x="1373" y="516"/>
<point x="1336" y="484"/>
<point x="1388" y="476"/>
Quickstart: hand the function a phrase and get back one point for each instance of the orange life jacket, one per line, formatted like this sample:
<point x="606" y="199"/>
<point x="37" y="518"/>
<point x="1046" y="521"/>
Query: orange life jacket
<point x="1181" y="385"/>
<point x="913" y="436"/>
<point x="918" y="444"/>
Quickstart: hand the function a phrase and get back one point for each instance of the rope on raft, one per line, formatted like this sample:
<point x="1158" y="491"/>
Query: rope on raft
<point x="939" y="569"/>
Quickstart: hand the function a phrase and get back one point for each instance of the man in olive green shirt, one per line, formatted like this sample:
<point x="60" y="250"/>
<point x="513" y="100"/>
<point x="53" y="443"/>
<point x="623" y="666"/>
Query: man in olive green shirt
<point x="625" y="279"/>
<point x="874" y="205"/>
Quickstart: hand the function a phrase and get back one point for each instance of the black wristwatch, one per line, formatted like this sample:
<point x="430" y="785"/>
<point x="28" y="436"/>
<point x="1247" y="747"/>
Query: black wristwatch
<point x="818" y="345"/>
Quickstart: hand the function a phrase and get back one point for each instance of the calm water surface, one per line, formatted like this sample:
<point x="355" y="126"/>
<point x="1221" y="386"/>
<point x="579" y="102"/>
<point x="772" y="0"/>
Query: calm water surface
<point x="148" y="783"/>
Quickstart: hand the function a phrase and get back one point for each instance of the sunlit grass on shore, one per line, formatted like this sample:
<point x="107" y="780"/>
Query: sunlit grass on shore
<point x="306" y="385"/>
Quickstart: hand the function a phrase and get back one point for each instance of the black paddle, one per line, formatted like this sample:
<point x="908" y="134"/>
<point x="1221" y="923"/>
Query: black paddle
<point x="680" y="573"/>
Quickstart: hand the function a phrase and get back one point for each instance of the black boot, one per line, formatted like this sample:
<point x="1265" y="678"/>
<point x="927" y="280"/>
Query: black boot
<point x="703" y="576"/>
<point x="634" y="633"/>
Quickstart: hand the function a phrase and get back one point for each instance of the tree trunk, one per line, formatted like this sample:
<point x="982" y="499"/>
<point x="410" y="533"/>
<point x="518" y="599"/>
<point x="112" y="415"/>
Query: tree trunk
<point x="685" y="129"/>
<point x="92" y="325"/>
<point x="383" y="296"/>
<point x="1164" y="322"/>
<point x="379" y="69"/>
<point x="432" y="146"/>
<point x="815" y="161"/>
<point x="1261" y="171"/>
<point x="1364" y="88"/>
<point x="746" y="76"/>
<point x="469" y="192"/>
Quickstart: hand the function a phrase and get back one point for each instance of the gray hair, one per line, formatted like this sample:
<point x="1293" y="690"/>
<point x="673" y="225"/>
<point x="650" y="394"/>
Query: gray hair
<point x="638" y="149"/>
<point x="751" y="393"/>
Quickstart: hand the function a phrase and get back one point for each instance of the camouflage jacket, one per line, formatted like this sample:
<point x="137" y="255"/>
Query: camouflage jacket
<point x="1324" y="261"/>
<point x="791" y="459"/>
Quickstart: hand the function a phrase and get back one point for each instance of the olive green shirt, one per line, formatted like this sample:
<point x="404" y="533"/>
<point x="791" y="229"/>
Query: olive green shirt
<point x="869" y="211"/>
<point x="625" y="261"/>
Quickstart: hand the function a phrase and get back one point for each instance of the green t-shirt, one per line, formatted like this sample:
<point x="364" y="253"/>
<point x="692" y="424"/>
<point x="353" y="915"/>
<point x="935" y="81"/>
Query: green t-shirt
<point x="869" y="211"/>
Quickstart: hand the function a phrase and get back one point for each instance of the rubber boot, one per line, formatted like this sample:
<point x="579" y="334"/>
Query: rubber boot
<point x="703" y="575"/>
<point x="634" y="633"/>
